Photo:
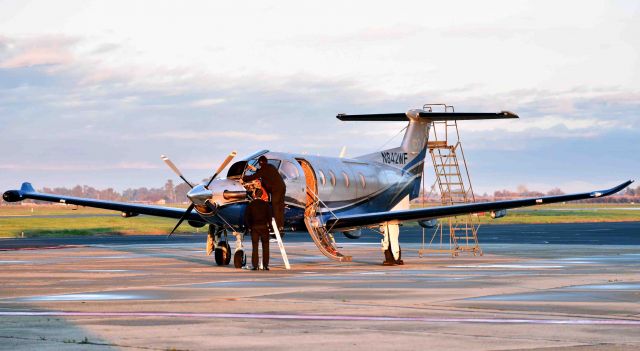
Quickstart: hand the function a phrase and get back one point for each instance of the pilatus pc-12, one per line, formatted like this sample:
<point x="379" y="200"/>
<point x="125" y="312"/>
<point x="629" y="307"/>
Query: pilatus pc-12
<point x="325" y="195"/>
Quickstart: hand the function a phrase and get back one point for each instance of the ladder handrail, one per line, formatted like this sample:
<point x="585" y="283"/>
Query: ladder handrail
<point x="318" y="200"/>
<point x="452" y="185"/>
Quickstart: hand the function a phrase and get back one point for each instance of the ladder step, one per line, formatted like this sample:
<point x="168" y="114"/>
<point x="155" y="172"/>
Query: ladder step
<point x="436" y="144"/>
<point x="460" y="229"/>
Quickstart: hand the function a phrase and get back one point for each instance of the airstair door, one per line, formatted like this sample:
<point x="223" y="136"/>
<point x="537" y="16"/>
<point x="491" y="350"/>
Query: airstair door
<point x="311" y="188"/>
<point x="313" y="217"/>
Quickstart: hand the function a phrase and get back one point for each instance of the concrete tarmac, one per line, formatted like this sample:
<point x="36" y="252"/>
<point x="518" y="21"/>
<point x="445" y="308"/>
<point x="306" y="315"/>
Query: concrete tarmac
<point x="164" y="295"/>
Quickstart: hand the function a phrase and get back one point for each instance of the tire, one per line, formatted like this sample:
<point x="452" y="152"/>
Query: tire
<point x="388" y="256"/>
<point x="223" y="253"/>
<point x="239" y="259"/>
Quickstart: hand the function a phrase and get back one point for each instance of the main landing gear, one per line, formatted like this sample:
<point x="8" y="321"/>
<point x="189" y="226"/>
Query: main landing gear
<point x="218" y="244"/>
<point x="391" y="245"/>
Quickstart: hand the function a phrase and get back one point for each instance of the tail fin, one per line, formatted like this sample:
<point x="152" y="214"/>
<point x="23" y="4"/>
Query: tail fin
<point x="410" y="155"/>
<point x="27" y="188"/>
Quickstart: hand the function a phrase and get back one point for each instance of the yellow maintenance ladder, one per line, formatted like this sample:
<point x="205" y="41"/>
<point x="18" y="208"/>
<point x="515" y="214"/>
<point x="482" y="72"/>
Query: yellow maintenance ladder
<point x="454" y="187"/>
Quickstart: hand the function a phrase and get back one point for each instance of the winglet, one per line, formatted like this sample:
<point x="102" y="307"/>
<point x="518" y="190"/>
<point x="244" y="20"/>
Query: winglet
<point x="18" y="195"/>
<point x="612" y="190"/>
<point x="27" y="188"/>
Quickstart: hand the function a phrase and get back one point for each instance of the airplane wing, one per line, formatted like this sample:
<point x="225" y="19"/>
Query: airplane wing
<point x="28" y="192"/>
<point x="369" y="219"/>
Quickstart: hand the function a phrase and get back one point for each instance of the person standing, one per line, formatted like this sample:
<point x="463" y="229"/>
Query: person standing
<point x="273" y="183"/>
<point x="257" y="217"/>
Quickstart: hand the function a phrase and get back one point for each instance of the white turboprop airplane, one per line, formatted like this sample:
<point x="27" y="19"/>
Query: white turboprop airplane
<point x="324" y="194"/>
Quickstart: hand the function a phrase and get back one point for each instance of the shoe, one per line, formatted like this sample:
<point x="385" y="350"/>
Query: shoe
<point x="266" y="268"/>
<point x="254" y="268"/>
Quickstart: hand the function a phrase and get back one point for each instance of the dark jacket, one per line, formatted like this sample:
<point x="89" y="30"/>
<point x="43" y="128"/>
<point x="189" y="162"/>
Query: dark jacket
<point x="271" y="179"/>
<point x="257" y="214"/>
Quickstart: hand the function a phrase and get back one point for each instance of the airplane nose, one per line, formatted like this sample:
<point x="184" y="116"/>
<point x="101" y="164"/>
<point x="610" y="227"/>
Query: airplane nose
<point x="199" y="195"/>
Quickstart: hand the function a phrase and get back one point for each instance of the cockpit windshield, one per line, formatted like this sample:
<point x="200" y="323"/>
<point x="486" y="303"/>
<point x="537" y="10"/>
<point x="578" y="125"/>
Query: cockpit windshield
<point x="253" y="165"/>
<point x="249" y="166"/>
<point x="238" y="169"/>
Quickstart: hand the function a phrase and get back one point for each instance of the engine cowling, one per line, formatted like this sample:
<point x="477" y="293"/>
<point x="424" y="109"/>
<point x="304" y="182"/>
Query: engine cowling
<point x="498" y="214"/>
<point x="234" y="195"/>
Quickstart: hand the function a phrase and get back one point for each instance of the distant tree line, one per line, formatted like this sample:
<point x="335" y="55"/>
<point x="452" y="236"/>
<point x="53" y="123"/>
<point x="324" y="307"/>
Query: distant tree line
<point x="629" y="195"/>
<point x="169" y="193"/>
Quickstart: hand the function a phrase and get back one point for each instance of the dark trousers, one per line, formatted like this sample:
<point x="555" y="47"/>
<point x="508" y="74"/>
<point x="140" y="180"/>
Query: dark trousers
<point x="258" y="234"/>
<point x="277" y="203"/>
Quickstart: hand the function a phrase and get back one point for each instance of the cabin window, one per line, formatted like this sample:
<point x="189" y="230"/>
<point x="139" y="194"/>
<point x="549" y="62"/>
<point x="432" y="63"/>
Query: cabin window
<point x="333" y="178"/>
<point x="362" y="180"/>
<point x="323" y="180"/>
<point x="346" y="179"/>
<point x="288" y="170"/>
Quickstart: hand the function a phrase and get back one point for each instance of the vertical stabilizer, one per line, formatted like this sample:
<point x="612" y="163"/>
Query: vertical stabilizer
<point x="409" y="156"/>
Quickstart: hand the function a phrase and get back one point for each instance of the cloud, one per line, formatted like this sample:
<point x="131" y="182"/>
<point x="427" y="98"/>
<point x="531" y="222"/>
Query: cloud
<point x="97" y="118"/>
<point x="207" y="102"/>
<point x="37" y="51"/>
<point x="554" y="125"/>
<point x="70" y="167"/>
<point x="213" y="135"/>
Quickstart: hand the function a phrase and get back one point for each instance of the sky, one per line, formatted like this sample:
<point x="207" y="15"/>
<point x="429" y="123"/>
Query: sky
<point x="93" y="92"/>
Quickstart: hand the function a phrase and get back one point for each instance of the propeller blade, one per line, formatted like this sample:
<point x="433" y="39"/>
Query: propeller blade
<point x="184" y="216"/>
<point x="175" y="169"/>
<point x="222" y="166"/>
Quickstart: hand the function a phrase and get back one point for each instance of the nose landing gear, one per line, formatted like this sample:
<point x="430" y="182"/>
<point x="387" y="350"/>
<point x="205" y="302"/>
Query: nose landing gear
<point x="217" y="242"/>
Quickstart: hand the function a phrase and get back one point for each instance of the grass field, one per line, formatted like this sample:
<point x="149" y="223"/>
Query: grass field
<point x="16" y="221"/>
<point x="567" y="213"/>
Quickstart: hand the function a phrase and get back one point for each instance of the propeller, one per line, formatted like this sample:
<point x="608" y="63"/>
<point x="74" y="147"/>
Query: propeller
<point x="177" y="171"/>
<point x="222" y="166"/>
<point x="184" y="216"/>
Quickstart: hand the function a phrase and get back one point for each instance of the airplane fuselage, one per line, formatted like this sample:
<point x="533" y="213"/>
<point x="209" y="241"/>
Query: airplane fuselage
<point x="343" y="186"/>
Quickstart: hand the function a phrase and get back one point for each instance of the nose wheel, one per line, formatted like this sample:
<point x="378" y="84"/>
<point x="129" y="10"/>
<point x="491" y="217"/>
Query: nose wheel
<point x="223" y="253"/>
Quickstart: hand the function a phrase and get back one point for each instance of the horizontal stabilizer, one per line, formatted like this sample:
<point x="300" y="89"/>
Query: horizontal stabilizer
<point x="432" y="116"/>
